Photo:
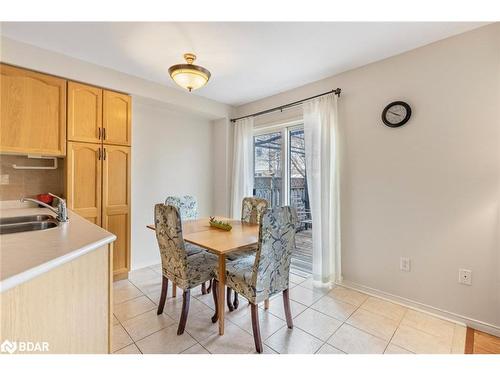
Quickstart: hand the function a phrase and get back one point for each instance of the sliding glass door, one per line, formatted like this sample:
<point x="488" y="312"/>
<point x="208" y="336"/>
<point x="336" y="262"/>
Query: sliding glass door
<point x="280" y="177"/>
<point x="268" y="168"/>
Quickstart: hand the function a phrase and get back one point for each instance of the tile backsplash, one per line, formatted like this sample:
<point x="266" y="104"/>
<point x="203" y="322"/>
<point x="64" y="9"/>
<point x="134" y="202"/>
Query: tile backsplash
<point x="16" y="183"/>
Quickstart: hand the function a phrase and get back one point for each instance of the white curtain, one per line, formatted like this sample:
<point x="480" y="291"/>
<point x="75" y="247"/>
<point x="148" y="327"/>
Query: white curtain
<point x="242" y="164"/>
<point x="322" y="166"/>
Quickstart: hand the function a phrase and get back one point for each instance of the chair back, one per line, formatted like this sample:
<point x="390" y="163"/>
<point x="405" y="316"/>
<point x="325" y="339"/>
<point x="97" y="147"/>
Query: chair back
<point x="274" y="254"/>
<point x="170" y="241"/>
<point x="252" y="209"/>
<point x="187" y="206"/>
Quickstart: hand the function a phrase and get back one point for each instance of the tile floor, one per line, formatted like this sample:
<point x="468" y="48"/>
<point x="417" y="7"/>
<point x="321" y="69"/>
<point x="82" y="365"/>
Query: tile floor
<point x="335" y="321"/>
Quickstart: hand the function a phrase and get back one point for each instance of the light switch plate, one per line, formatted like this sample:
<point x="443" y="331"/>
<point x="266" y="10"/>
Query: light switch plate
<point x="465" y="276"/>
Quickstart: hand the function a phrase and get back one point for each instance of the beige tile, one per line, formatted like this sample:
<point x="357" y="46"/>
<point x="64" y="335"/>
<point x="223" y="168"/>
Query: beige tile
<point x="394" y="349"/>
<point x="124" y="290"/>
<point x="328" y="349"/>
<point x="157" y="268"/>
<point x="165" y="341"/>
<point x="142" y="274"/>
<point x="354" y="341"/>
<point x="348" y="295"/>
<point x="126" y="310"/>
<point x="420" y="342"/>
<point x="317" y="324"/>
<point x="305" y="296"/>
<point x="293" y="341"/>
<point x="277" y="308"/>
<point x="234" y="341"/>
<point x="458" y="343"/>
<point x="145" y="324"/>
<point x="151" y="286"/>
<point x="115" y="321"/>
<point x="308" y="284"/>
<point x="196" y="349"/>
<point x="375" y="324"/>
<point x="120" y="338"/>
<point x="131" y="349"/>
<point x="200" y="326"/>
<point x="385" y="308"/>
<point x="173" y="308"/>
<point x="296" y="279"/>
<point x="334" y="308"/>
<point x="268" y="322"/>
<point x="429" y="324"/>
<point x="267" y="350"/>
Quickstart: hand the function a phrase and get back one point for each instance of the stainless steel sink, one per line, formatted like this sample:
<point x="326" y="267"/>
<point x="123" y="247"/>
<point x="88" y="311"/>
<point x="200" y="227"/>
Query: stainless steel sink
<point x="25" y="219"/>
<point x="27" y="223"/>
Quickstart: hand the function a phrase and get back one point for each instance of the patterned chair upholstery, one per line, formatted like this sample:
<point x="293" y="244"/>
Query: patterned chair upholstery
<point x="260" y="277"/>
<point x="185" y="271"/>
<point x="252" y="209"/>
<point x="187" y="206"/>
<point x="188" y="209"/>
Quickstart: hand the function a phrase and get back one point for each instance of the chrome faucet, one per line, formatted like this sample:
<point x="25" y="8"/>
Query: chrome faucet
<point x="61" y="211"/>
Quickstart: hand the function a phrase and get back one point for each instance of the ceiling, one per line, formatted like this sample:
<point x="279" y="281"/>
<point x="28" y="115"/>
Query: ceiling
<point x="248" y="61"/>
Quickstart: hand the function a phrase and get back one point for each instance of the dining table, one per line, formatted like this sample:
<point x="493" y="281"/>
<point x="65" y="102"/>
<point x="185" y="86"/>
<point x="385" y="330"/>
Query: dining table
<point x="221" y="243"/>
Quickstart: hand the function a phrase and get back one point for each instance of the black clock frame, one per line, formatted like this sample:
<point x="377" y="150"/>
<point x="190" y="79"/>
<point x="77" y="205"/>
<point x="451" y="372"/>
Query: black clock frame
<point x="402" y="122"/>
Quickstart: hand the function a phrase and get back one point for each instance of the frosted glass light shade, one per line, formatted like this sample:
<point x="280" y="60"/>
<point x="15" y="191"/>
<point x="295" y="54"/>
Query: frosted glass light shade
<point x="189" y="76"/>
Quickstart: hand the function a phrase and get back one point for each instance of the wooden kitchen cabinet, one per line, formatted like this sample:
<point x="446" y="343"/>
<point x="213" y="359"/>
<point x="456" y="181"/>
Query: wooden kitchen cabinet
<point x="84" y="180"/>
<point x="33" y="115"/>
<point x="116" y="203"/>
<point x="117" y="118"/>
<point x="84" y="113"/>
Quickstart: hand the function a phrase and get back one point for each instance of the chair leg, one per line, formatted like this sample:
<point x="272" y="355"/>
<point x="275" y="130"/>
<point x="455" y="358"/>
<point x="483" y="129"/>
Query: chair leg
<point x="216" y="303"/>
<point x="236" y="301"/>
<point x="266" y="304"/>
<point x="185" y="309"/>
<point x="256" y="328"/>
<point x="174" y="290"/>
<point x="228" y="299"/>
<point x="204" y="288"/>
<point x="163" y="297"/>
<point x="209" y="286"/>
<point x="288" y="313"/>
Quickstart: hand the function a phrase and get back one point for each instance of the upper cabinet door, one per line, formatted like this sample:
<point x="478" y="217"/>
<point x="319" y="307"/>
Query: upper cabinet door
<point x="116" y="118"/>
<point x="84" y="113"/>
<point x="33" y="114"/>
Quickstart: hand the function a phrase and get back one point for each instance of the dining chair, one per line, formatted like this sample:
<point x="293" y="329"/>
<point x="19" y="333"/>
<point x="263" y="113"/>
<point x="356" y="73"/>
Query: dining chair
<point x="268" y="274"/>
<point x="185" y="271"/>
<point x="188" y="209"/>
<point x="252" y="209"/>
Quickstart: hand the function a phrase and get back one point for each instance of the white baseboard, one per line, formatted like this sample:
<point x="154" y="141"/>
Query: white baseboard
<point x="440" y="313"/>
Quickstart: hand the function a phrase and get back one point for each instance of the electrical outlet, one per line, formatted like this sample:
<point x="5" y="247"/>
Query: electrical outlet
<point x="4" y="179"/>
<point x="404" y="264"/>
<point x="465" y="276"/>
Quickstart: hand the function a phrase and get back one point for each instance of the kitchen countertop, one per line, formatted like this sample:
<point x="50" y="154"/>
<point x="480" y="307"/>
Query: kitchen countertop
<point x="26" y="255"/>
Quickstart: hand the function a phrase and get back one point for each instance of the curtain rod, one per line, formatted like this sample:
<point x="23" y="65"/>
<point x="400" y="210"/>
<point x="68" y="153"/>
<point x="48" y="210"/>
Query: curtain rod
<point x="337" y="92"/>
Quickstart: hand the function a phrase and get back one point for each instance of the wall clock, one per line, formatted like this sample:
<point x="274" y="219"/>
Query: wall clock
<point x="396" y="114"/>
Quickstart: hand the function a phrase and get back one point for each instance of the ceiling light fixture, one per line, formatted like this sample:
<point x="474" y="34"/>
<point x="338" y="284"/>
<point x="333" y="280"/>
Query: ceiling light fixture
<point x="189" y="76"/>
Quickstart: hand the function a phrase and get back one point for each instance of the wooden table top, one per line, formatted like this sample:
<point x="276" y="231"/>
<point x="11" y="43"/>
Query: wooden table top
<point x="199" y="232"/>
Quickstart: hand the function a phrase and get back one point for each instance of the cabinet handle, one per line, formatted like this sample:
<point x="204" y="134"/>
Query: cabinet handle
<point x="104" y="155"/>
<point x="104" y="133"/>
<point x="99" y="133"/>
<point x="99" y="154"/>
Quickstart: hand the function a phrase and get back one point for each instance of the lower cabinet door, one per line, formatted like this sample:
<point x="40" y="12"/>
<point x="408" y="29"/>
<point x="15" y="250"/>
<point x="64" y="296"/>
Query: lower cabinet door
<point x="83" y="179"/>
<point x="116" y="203"/>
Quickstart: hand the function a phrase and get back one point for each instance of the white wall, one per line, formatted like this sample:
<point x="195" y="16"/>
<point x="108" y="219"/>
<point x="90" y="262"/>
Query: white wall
<point x="171" y="155"/>
<point x="429" y="190"/>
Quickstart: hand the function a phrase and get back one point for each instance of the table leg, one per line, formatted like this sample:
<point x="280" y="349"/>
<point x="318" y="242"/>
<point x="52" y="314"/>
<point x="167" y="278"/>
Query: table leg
<point x="222" y="290"/>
